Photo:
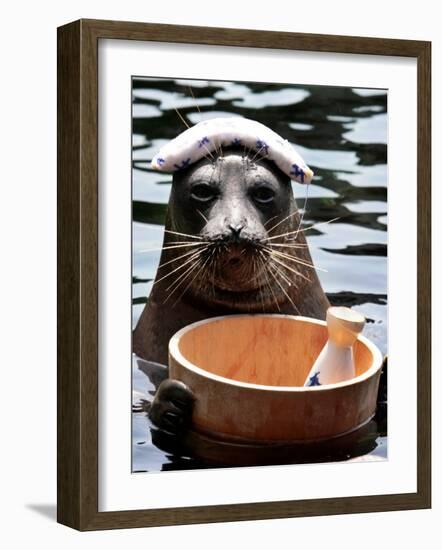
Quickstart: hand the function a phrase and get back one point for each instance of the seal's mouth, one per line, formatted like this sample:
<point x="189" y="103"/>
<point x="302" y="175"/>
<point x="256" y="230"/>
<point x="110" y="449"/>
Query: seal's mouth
<point x="242" y="274"/>
<point x="236" y="275"/>
<point x="235" y="255"/>
<point x="237" y="266"/>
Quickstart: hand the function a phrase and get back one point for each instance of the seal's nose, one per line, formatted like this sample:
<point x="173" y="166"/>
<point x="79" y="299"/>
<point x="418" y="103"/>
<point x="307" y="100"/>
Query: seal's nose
<point x="236" y="229"/>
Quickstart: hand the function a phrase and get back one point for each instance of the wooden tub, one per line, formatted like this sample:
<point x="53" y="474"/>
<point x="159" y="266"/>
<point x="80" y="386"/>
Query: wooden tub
<point x="247" y="373"/>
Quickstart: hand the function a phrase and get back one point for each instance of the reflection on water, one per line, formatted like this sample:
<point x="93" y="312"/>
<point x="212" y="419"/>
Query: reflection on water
<point x="342" y="135"/>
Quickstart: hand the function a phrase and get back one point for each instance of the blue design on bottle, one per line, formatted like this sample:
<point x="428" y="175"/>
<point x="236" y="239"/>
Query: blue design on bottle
<point x="184" y="164"/>
<point x="236" y="142"/>
<point x="314" y="380"/>
<point x="160" y="161"/>
<point x="297" y="172"/>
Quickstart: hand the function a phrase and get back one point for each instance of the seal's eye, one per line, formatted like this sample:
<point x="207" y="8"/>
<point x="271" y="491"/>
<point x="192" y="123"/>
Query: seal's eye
<point x="263" y="195"/>
<point x="203" y="192"/>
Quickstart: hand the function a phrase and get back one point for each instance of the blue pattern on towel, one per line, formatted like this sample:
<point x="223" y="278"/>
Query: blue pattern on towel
<point x="261" y="144"/>
<point x="202" y="142"/>
<point x="184" y="164"/>
<point x="297" y="172"/>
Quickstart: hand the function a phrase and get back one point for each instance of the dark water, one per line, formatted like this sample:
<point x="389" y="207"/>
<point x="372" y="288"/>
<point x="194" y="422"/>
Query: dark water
<point x="342" y="135"/>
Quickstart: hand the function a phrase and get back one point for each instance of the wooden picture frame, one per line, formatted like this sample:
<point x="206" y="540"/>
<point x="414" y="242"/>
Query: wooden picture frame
<point x="78" y="274"/>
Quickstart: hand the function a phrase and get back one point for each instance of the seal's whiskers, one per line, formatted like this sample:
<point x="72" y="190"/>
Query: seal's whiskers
<point x="180" y="257"/>
<point x="187" y="242"/>
<point x="289" y="245"/>
<point x="213" y="265"/>
<point x="193" y="96"/>
<point x="302" y="230"/>
<point x="255" y="264"/>
<point x="183" y="245"/>
<point x="182" y="294"/>
<point x="191" y="259"/>
<point x="183" y="120"/>
<point x="183" y="234"/>
<point x="257" y="153"/>
<point x="199" y="110"/>
<point x="265" y="269"/>
<point x="247" y="152"/>
<point x="282" y="288"/>
<point x="203" y="216"/>
<point x="304" y="210"/>
<point x="182" y="277"/>
<point x="262" y="265"/>
<point x="270" y="219"/>
<point x="283" y="220"/>
<point x="198" y="261"/>
<point x="282" y="274"/>
<point x="295" y="271"/>
<point x="263" y="157"/>
<point x="296" y="259"/>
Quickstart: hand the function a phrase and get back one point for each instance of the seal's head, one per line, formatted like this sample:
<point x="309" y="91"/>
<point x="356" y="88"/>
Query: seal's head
<point x="232" y="240"/>
<point x="225" y="211"/>
<point x="232" y="231"/>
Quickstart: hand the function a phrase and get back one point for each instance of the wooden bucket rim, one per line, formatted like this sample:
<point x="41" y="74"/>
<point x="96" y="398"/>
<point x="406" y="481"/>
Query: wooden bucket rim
<point x="175" y="352"/>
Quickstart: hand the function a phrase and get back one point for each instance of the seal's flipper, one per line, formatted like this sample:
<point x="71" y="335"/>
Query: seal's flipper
<point x="156" y="373"/>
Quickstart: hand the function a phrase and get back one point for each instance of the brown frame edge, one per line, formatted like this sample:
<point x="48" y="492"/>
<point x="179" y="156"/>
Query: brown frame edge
<point x="77" y="310"/>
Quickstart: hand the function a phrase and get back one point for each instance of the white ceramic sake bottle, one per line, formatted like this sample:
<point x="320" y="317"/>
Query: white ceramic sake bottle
<point x="335" y="363"/>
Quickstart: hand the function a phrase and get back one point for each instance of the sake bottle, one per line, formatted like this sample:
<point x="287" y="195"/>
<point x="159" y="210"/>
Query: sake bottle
<point x="335" y="363"/>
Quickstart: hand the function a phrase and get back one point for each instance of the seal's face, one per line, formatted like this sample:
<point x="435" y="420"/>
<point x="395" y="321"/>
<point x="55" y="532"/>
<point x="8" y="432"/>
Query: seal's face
<point x="228" y="206"/>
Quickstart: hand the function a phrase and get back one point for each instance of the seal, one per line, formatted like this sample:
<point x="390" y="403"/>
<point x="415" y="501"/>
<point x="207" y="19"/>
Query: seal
<point x="232" y="244"/>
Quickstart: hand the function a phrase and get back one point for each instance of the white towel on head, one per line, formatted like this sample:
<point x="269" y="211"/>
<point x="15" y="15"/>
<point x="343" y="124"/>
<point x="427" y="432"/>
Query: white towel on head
<point x="198" y="141"/>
